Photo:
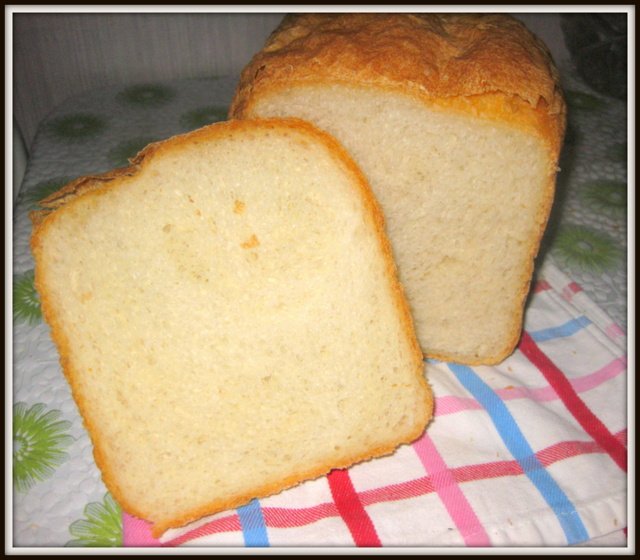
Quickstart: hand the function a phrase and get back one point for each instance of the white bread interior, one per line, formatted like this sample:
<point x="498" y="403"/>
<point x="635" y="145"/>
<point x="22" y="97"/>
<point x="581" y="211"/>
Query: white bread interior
<point x="465" y="201"/>
<point x="229" y="319"/>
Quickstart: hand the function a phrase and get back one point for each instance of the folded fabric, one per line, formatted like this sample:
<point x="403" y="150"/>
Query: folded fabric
<point x="531" y="452"/>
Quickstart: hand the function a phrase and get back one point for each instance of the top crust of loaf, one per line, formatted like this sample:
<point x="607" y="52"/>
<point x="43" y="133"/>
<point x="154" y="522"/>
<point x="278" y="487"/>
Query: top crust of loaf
<point x="486" y="64"/>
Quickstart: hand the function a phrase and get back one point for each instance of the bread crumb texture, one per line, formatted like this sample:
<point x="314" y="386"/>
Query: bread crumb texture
<point x="228" y="318"/>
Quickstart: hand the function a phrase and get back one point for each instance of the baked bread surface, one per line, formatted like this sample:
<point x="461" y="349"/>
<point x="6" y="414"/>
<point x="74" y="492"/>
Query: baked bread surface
<point x="447" y="59"/>
<point x="414" y="98"/>
<point x="229" y="318"/>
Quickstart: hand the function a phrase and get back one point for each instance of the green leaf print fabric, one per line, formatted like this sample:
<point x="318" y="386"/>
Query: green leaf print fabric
<point x="39" y="443"/>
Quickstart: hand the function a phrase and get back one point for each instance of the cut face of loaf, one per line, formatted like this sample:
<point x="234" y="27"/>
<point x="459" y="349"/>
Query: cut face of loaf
<point x="465" y="177"/>
<point x="229" y="319"/>
<point x="462" y="200"/>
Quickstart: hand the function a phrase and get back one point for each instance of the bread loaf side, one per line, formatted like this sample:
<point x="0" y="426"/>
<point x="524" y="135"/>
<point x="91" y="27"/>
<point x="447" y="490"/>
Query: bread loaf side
<point x="229" y="318"/>
<point x="457" y="121"/>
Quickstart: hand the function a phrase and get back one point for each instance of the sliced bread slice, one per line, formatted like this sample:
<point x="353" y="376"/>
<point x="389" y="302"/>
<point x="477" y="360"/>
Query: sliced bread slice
<point x="228" y="316"/>
<point x="457" y="122"/>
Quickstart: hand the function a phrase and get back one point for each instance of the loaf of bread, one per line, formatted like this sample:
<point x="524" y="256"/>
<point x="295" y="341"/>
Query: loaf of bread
<point x="228" y="316"/>
<point x="457" y="122"/>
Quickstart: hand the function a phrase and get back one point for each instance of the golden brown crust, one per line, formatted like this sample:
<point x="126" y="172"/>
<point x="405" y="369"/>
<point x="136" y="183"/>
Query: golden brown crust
<point x="97" y="185"/>
<point x="449" y="59"/>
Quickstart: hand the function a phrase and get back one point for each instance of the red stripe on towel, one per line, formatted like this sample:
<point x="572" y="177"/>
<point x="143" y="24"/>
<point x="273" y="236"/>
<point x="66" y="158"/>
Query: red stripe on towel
<point x="541" y="286"/>
<point x="351" y="509"/>
<point x="581" y="412"/>
<point x="570" y="290"/>
<point x="230" y="523"/>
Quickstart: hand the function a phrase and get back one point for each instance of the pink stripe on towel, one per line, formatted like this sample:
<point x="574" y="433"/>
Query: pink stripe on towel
<point x="136" y="532"/>
<point x="450" y="493"/>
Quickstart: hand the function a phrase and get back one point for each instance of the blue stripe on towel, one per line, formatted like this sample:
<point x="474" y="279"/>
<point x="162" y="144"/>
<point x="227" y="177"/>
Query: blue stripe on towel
<point x="567" y="329"/>
<point x="517" y="444"/>
<point x="254" y="529"/>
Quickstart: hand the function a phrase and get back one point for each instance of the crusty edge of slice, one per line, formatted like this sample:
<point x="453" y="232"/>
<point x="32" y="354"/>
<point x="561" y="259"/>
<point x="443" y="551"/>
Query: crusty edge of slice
<point x="94" y="185"/>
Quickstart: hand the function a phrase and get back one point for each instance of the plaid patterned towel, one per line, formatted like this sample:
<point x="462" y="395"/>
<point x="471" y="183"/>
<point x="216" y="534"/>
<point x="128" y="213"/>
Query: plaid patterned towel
<point x="527" y="453"/>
